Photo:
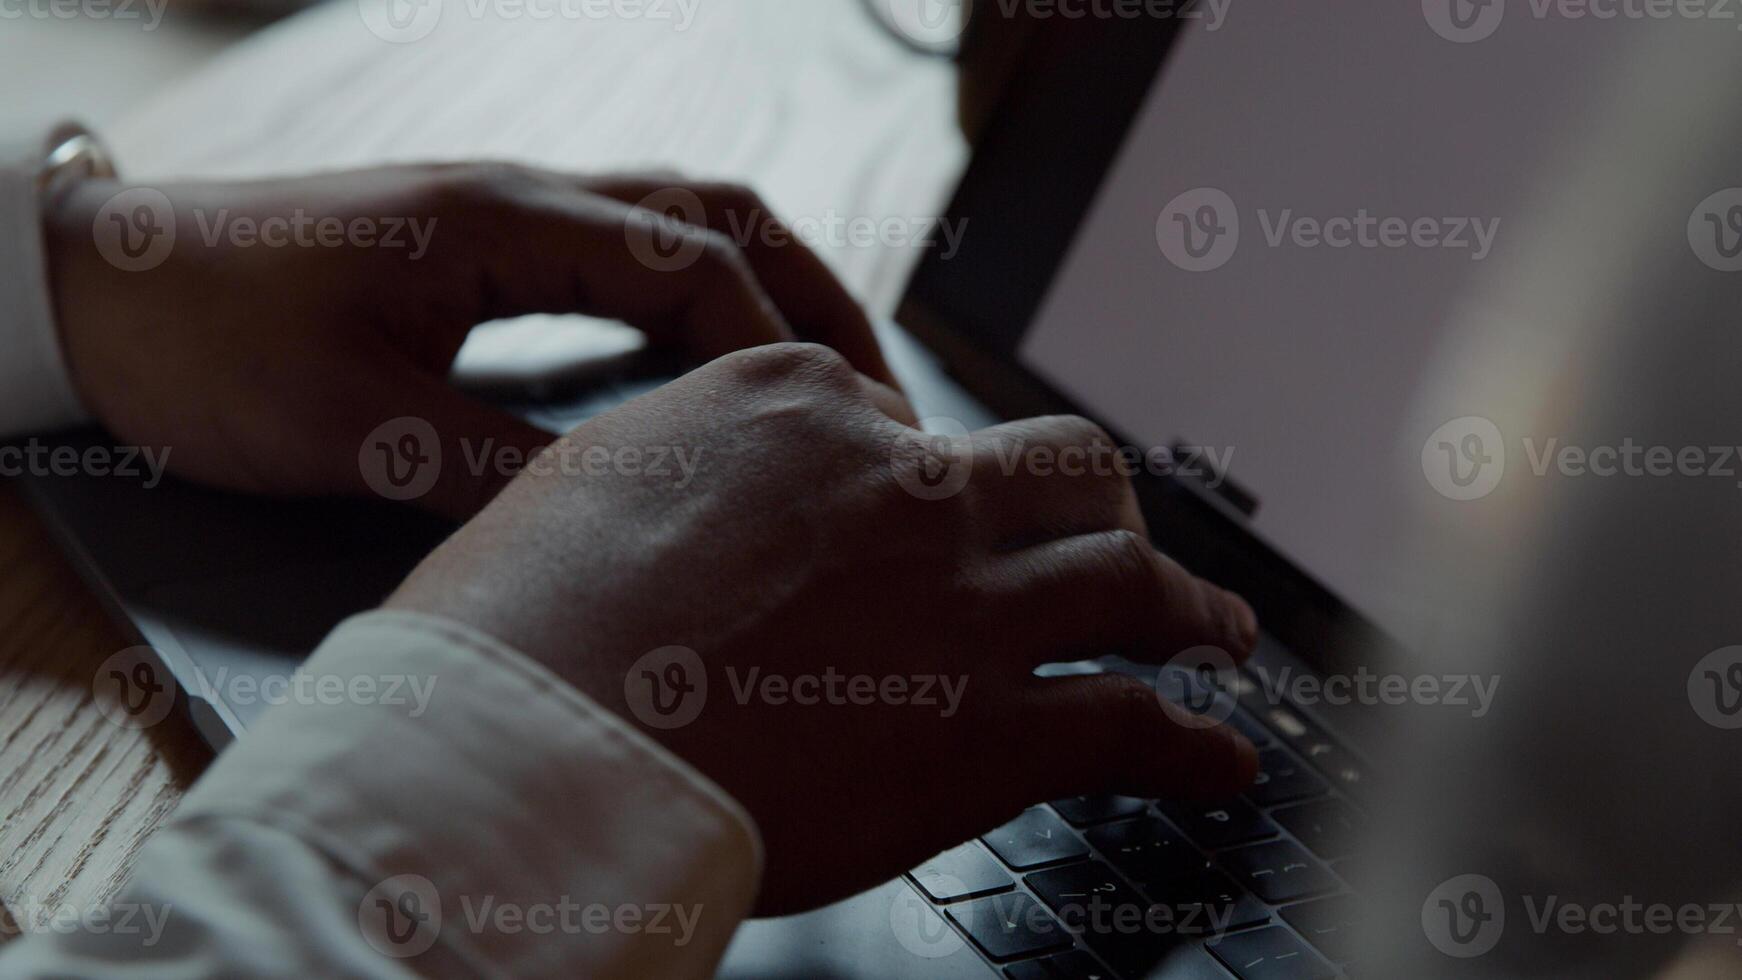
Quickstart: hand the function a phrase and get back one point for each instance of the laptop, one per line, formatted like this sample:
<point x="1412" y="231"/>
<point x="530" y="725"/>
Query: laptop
<point x="1236" y="241"/>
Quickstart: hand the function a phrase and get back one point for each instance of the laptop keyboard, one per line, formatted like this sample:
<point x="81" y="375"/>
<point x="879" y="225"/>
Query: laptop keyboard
<point x="1117" y="888"/>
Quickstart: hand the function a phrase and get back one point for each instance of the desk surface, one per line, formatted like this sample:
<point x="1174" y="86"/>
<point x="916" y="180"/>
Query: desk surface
<point x="79" y="793"/>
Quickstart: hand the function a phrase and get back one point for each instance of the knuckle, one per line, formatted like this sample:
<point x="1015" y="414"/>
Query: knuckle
<point x="734" y="197"/>
<point x="1076" y="430"/>
<point x="1131" y="703"/>
<point x="489" y="182"/>
<point x="792" y="363"/>
<point x="1132" y="558"/>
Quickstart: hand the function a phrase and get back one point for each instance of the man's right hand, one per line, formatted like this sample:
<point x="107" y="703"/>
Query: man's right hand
<point x="794" y="532"/>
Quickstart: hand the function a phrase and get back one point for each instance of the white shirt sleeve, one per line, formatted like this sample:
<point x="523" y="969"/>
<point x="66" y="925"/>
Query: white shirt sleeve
<point x="482" y="819"/>
<point x="35" y="392"/>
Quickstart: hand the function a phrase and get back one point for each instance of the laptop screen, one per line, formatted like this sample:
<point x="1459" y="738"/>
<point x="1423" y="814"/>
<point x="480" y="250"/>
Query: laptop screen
<point x="1275" y="255"/>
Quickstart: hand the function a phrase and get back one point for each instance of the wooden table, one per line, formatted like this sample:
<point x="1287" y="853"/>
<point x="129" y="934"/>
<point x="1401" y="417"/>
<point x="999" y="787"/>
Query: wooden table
<point x="80" y="794"/>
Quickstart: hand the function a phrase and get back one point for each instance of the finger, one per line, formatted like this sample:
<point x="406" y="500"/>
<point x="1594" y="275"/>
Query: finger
<point x="441" y="449"/>
<point x="1041" y="479"/>
<point x="1113" y="734"/>
<point x="812" y="298"/>
<point x="889" y="401"/>
<point x="1113" y="592"/>
<point x="534" y="245"/>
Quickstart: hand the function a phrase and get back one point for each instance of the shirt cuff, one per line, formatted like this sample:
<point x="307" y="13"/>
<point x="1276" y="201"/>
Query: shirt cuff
<point x="36" y="393"/>
<point x="484" y="783"/>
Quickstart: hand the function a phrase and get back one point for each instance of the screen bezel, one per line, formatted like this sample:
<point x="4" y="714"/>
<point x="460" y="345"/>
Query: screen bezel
<point x="1037" y="168"/>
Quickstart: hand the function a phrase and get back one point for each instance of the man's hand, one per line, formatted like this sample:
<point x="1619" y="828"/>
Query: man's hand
<point x="811" y="535"/>
<point x="266" y="366"/>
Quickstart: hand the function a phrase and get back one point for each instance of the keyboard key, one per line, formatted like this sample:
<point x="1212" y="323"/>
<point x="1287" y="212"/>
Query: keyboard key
<point x="1281" y="871"/>
<point x="1216" y="826"/>
<point x="1110" y="916"/>
<point x="1085" y="810"/>
<point x="1188" y="963"/>
<point x="1334" y="762"/>
<point x="1144" y="849"/>
<point x="1330" y="828"/>
<point x="1329" y="924"/>
<point x="1029" y="970"/>
<point x="1034" y="839"/>
<point x="1089" y="897"/>
<point x="1008" y="927"/>
<point x="1283" y="780"/>
<point x="961" y="872"/>
<point x="1076" y="965"/>
<point x="1206" y="902"/>
<point x="1270" y="954"/>
<point x="1246" y="725"/>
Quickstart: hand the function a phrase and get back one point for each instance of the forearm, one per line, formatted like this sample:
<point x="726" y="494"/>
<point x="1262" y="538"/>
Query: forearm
<point x="534" y="833"/>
